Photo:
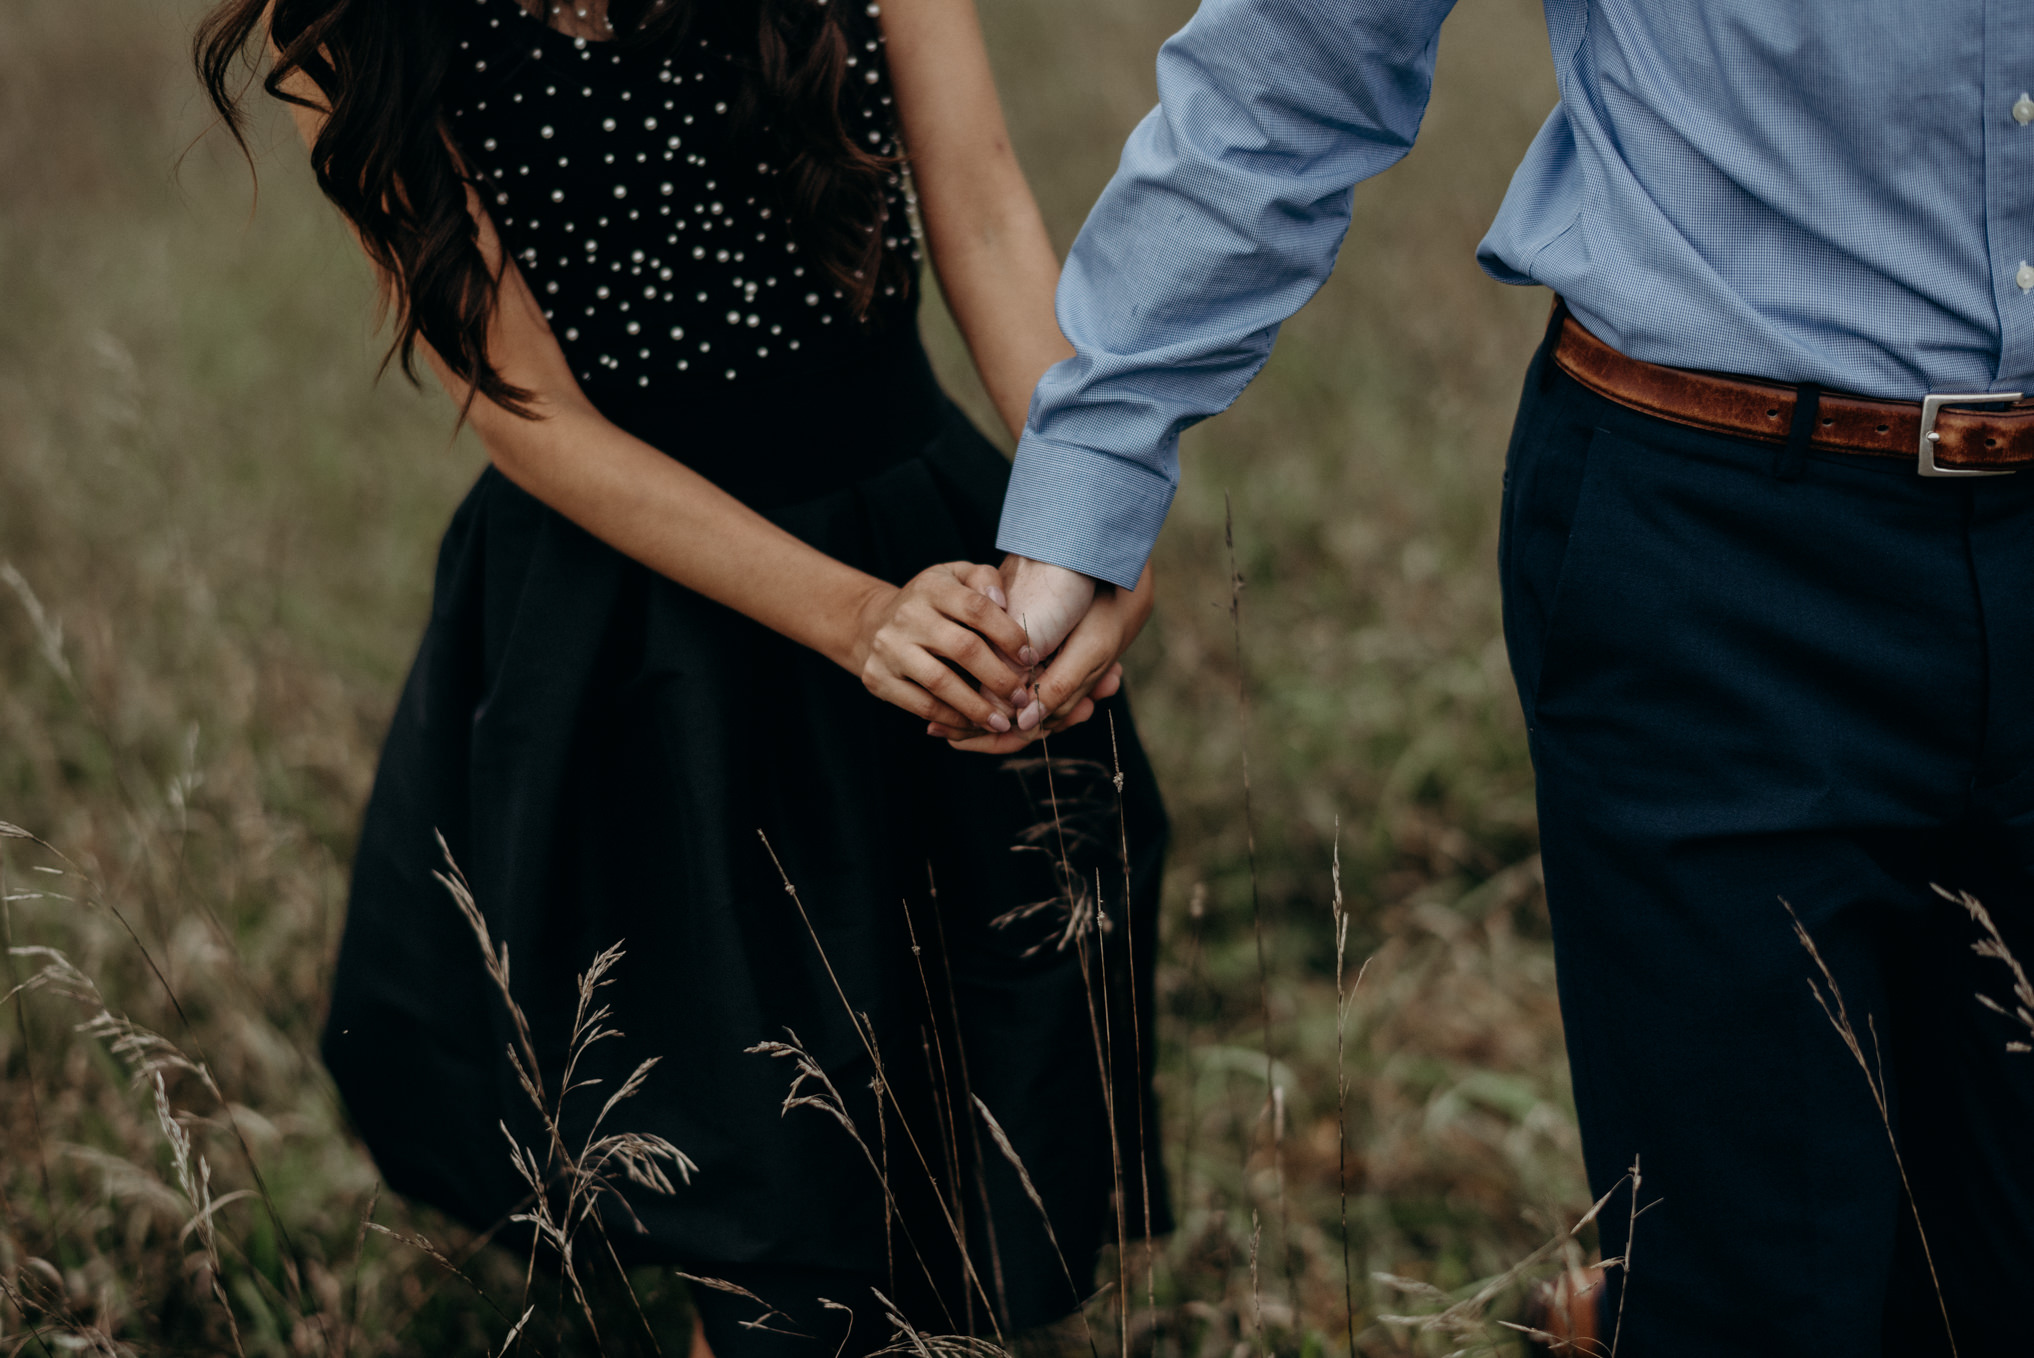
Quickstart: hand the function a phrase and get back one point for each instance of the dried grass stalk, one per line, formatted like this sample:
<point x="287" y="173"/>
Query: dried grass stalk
<point x="1136" y="1023"/>
<point x="910" y="1341"/>
<point x="1343" y="999"/>
<point x="1010" y="1154"/>
<point x="1875" y="1080"/>
<point x="1465" y="1318"/>
<point x="588" y="1176"/>
<point x="864" y="1032"/>
<point x="828" y="1100"/>
<point x="1993" y="945"/>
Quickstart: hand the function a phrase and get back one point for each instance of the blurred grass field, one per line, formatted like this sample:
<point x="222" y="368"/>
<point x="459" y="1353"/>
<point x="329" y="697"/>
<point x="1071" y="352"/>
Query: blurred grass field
<point x="219" y="531"/>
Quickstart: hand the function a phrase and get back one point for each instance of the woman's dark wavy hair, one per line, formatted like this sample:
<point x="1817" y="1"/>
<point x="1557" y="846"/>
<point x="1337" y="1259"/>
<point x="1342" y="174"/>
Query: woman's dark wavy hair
<point x="385" y="158"/>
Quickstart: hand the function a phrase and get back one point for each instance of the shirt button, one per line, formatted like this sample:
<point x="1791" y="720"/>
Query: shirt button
<point x="2023" y="109"/>
<point x="2024" y="276"/>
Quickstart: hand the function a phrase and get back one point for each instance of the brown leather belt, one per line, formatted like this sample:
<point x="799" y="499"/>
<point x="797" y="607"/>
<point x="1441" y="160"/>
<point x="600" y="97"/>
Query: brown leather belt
<point x="1938" y="435"/>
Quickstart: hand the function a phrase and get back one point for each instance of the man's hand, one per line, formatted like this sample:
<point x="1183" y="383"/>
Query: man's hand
<point x="1047" y="601"/>
<point x="1087" y="659"/>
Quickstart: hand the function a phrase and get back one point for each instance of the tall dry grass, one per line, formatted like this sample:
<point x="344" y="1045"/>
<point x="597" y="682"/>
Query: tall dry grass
<point x="218" y="535"/>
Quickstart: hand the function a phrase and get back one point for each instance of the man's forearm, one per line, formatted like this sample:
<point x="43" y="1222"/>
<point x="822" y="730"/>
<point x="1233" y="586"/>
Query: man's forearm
<point x="1222" y="220"/>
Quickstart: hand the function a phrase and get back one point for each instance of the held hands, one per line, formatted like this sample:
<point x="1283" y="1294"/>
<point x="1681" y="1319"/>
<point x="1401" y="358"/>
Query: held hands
<point x="915" y="643"/>
<point x="908" y="642"/>
<point x="1083" y="625"/>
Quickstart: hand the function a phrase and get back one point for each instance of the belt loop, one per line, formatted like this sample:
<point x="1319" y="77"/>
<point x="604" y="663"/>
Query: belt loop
<point x="1544" y="360"/>
<point x="1790" y="460"/>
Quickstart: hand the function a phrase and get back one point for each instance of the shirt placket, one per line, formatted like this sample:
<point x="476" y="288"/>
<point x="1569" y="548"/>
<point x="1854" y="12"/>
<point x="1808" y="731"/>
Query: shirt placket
<point x="2009" y="185"/>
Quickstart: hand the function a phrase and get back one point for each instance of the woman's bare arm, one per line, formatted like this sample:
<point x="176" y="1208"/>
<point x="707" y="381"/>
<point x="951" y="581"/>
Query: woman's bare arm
<point x="653" y="508"/>
<point x="640" y="501"/>
<point x="994" y="260"/>
<point x="998" y="270"/>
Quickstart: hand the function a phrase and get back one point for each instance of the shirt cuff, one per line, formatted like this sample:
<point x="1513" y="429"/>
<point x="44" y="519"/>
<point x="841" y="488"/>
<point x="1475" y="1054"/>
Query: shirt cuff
<point x="1085" y="510"/>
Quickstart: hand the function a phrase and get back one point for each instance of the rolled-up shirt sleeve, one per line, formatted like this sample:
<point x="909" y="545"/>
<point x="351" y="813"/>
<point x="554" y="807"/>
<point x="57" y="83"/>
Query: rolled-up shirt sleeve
<point x="1223" y="219"/>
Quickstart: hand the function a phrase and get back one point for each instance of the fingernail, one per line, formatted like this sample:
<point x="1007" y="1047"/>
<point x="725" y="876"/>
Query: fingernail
<point x="1030" y="717"/>
<point x="1019" y="696"/>
<point x="1027" y="655"/>
<point x="998" y="598"/>
<point x="998" y="722"/>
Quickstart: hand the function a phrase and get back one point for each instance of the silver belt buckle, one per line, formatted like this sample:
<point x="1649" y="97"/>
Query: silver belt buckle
<point x="1931" y="406"/>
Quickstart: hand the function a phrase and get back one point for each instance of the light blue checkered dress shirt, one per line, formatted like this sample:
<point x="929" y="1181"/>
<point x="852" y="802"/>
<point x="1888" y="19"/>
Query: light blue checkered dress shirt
<point x="1836" y="191"/>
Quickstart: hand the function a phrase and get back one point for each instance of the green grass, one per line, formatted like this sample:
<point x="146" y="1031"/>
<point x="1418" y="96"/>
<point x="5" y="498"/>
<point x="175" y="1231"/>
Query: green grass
<point x="233" y="525"/>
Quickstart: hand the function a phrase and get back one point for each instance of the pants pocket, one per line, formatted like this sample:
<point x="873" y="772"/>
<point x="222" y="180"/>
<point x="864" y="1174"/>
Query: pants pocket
<point x="1545" y="506"/>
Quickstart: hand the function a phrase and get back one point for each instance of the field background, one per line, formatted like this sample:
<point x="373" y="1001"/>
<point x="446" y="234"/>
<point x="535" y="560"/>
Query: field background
<point x="217" y="533"/>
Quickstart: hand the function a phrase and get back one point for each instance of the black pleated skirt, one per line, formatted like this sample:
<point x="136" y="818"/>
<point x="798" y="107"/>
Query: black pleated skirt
<point x="612" y="759"/>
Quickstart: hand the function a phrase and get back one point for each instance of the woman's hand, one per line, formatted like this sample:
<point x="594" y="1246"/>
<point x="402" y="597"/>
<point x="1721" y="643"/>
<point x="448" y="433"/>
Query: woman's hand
<point x="908" y="640"/>
<point x="1084" y="669"/>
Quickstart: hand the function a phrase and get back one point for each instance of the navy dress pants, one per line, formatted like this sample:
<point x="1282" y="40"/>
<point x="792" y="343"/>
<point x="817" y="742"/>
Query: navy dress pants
<point x="1752" y="677"/>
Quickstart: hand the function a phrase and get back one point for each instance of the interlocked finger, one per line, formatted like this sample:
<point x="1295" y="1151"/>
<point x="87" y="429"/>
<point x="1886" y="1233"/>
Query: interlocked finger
<point x="913" y="697"/>
<point x="977" y="612"/>
<point x="1072" y="673"/>
<point x="972" y="653"/>
<point x="1074" y="714"/>
<point x="960" y="698"/>
<point x="1078" y="710"/>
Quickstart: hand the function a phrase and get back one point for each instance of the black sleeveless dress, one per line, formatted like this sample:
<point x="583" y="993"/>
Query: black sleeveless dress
<point x="599" y="749"/>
